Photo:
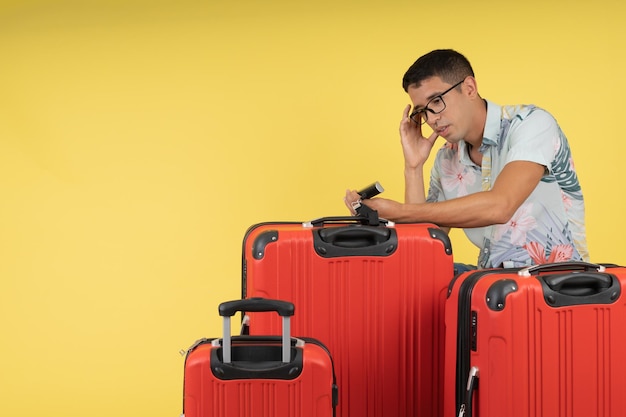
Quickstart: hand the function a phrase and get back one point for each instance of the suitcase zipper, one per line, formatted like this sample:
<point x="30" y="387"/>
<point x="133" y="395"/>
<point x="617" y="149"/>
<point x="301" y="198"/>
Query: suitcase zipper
<point x="186" y="353"/>
<point x="335" y="389"/>
<point x="466" y="326"/>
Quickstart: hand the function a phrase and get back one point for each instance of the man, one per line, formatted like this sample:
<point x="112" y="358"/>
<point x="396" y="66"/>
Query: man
<point x="505" y="174"/>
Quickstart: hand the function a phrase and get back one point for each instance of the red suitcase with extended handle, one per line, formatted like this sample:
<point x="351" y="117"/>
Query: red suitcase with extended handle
<point x="258" y="376"/>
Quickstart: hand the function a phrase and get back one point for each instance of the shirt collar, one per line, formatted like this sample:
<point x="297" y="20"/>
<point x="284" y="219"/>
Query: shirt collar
<point x="491" y="135"/>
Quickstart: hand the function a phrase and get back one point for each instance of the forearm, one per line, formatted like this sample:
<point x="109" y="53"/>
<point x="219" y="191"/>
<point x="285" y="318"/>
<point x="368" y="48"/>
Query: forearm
<point x="414" y="191"/>
<point x="475" y="210"/>
<point x="497" y="206"/>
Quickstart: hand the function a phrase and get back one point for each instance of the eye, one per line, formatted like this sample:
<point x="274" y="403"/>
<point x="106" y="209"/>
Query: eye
<point x="435" y="102"/>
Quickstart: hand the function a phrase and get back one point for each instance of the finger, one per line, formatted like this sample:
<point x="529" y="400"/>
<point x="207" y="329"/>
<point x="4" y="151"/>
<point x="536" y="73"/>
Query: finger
<point x="419" y="125"/>
<point x="353" y="195"/>
<point x="346" y="200"/>
<point x="405" y="113"/>
<point x="408" y="125"/>
<point x="433" y="137"/>
<point x="350" y="198"/>
<point x="350" y="208"/>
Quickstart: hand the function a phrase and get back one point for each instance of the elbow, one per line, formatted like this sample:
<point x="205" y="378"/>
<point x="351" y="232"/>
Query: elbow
<point x="502" y="212"/>
<point x="501" y="219"/>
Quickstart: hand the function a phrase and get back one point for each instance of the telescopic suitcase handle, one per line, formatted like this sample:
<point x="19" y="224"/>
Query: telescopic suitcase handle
<point x="560" y="266"/>
<point x="284" y="309"/>
<point x="256" y="304"/>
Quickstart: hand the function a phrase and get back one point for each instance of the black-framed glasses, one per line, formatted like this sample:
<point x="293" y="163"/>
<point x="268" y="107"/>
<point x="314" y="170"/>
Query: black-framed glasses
<point x="435" y="105"/>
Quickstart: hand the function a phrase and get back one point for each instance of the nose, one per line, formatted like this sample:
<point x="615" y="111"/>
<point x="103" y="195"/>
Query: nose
<point x="433" y="118"/>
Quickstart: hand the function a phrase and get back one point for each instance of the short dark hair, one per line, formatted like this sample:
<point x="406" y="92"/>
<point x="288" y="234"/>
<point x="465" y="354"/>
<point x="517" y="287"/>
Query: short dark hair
<point x="446" y="64"/>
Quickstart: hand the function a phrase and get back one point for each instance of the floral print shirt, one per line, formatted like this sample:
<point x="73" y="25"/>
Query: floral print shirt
<point x="549" y="226"/>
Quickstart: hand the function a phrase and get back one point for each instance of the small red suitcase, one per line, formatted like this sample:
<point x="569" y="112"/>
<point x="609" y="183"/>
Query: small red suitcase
<point x="262" y="376"/>
<point x="373" y="294"/>
<point x="544" y="341"/>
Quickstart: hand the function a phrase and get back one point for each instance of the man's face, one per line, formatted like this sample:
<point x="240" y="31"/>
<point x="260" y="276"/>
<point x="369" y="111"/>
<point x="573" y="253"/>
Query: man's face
<point x="439" y="103"/>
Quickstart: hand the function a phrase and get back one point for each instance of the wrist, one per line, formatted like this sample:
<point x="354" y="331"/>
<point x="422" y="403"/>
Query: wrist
<point x="413" y="171"/>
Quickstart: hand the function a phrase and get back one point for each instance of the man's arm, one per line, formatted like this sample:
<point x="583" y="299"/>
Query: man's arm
<point x="515" y="183"/>
<point x="414" y="191"/>
<point x="416" y="149"/>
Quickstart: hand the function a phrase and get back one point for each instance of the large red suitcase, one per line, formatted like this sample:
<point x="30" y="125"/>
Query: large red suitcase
<point x="263" y="376"/>
<point x="543" y="341"/>
<point x="373" y="294"/>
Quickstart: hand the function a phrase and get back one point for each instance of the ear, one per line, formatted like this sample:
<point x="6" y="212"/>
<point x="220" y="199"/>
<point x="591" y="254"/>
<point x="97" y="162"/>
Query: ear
<point x="470" y="87"/>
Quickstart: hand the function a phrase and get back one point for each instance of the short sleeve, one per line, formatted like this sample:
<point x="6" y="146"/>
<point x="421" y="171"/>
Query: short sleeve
<point x="534" y="137"/>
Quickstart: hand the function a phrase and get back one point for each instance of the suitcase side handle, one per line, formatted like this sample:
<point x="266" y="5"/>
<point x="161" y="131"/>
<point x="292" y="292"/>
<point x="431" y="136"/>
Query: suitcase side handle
<point x="579" y="283"/>
<point x="351" y="240"/>
<point x="576" y="288"/>
<point x="284" y="309"/>
<point x="560" y="266"/>
<point x="355" y="237"/>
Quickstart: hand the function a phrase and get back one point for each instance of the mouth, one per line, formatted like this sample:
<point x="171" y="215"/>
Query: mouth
<point x="441" y="131"/>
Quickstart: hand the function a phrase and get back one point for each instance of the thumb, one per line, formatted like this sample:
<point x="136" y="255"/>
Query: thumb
<point x="433" y="137"/>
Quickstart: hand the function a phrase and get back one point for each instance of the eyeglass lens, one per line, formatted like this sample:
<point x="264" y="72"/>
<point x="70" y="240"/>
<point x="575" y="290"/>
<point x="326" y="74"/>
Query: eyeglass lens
<point x="435" y="105"/>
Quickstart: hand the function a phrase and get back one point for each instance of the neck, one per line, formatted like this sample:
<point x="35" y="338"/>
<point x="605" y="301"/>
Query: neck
<point x="475" y="135"/>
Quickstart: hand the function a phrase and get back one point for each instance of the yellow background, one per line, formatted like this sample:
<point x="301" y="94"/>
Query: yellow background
<point x="140" y="139"/>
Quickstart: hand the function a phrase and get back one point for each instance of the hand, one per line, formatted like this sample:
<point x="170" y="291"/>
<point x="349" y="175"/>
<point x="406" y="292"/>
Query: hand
<point x="387" y="209"/>
<point x="415" y="147"/>
<point x="352" y="200"/>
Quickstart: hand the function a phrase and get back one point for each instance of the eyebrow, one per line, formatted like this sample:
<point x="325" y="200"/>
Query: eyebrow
<point x="432" y="96"/>
<point x="428" y="99"/>
<point x="441" y="93"/>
